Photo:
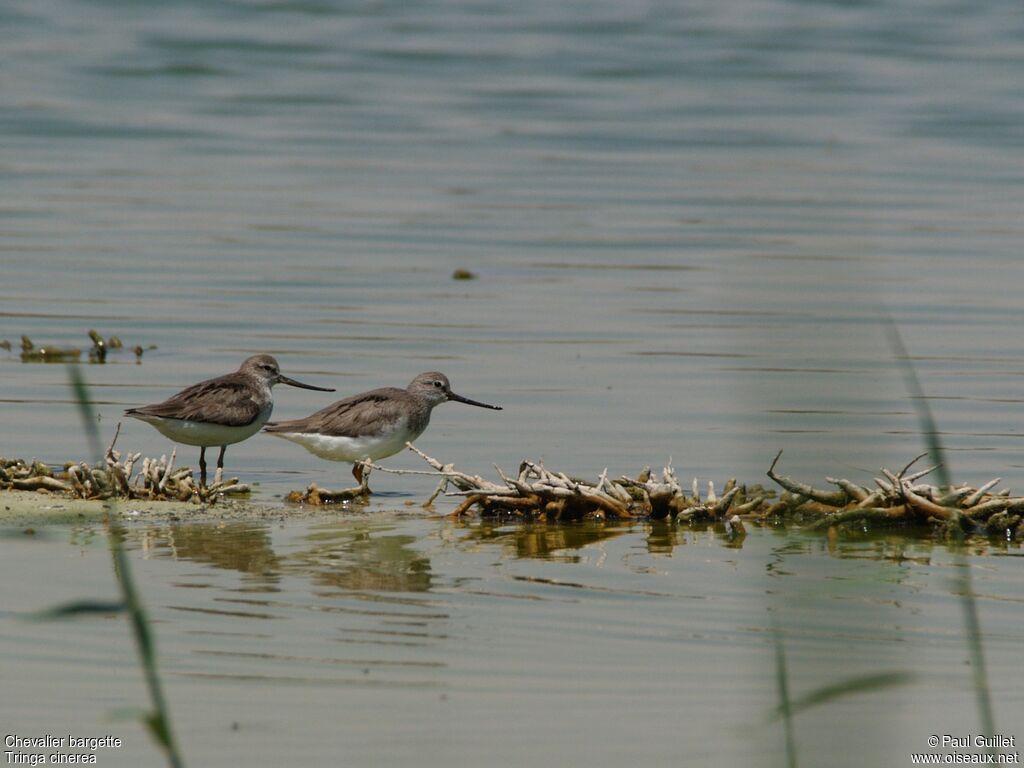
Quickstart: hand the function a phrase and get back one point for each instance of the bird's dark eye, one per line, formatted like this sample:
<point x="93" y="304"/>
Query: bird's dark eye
<point x="438" y="383"/>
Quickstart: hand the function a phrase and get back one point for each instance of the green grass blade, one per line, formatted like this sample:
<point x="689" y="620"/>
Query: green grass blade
<point x="158" y="721"/>
<point x="785" y="708"/>
<point x="79" y="607"/>
<point x="925" y="421"/>
<point x="843" y="688"/>
<point x="965" y="587"/>
<point x="92" y="432"/>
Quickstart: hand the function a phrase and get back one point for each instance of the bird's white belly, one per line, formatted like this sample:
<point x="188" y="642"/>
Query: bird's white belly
<point x="342" y="448"/>
<point x="204" y="433"/>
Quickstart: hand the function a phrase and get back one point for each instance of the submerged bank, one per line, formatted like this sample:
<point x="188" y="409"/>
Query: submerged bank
<point x="32" y="507"/>
<point x="158" y="489"/>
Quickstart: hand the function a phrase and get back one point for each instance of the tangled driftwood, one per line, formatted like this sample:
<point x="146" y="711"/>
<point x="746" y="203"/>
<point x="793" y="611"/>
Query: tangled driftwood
<point x="536" y="492"/>
<point x="155" y="479"/>
<point x="900" y="499"/>
<point x="539" y="492"/>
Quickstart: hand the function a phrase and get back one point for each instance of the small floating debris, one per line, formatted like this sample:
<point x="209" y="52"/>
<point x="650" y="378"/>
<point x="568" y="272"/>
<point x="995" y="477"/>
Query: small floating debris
<point x="30" y="353"/>
<point x="98" y="353"/>
<point x="153" y="480"/>
<point x="317" y="497"/>
<point x="48" y="353"/>
<point x="463" y="274"/>
<point x="900" y="499"/>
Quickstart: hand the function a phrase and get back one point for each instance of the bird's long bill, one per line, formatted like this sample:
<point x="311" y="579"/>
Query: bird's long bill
<point x="467" y="401"/>
<point x="300" y="385"/>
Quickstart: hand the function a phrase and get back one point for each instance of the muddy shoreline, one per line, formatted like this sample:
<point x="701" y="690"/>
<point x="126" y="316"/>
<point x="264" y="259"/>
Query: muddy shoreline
<point x="31" y="507"/>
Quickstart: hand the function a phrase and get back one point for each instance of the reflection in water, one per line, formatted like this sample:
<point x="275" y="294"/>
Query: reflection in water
<point x="542" y="540"/>
<point x="868" y="619"/>
<point x="561" y="541"/>
<point x="665" y="534"/>
<point x="359" y="558"/>
<point x="368" y="557"/>
<point x="408" y="624"/>
<point x="663" y="537"/>
<point x="243" y="547"/>
<point x="371" y="558"/>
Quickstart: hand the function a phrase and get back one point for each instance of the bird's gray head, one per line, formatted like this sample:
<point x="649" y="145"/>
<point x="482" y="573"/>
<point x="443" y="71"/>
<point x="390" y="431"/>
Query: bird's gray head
<point x="265" y="367"/>
<point x="435" y="388"/>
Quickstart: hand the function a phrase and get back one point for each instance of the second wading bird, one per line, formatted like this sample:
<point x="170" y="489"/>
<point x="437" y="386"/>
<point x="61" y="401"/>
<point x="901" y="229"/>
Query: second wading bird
<point x="371" y="425"/>
<point x="220" y="411"/>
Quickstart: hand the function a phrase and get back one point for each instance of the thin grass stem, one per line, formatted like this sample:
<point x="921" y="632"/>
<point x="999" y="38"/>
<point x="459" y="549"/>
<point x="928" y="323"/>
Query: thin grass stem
<point x="785" y="704"/>
<point x="158" y="721"/>
<point x="964" y="586"/>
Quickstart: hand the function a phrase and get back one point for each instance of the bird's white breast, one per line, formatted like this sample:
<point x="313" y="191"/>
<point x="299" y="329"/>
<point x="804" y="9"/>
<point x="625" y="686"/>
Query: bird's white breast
<point x="344" y="448"/>
<point x="204" y="433"/>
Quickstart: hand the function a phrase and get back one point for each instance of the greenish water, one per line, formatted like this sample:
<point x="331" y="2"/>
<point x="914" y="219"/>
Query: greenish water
<point x="686" y="220"/>
<point x="385" y="639"/>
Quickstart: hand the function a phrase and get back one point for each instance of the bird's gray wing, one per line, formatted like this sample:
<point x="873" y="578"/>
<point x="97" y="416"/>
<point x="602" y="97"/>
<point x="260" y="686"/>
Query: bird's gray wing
<point x="363" y="414"/>
<point x="225" y="400"/>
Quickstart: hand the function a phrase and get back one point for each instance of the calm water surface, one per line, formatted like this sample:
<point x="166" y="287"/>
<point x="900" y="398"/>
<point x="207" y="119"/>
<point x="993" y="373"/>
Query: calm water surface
<point x="686" y="220"/>
<point x="390" y="639"/>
